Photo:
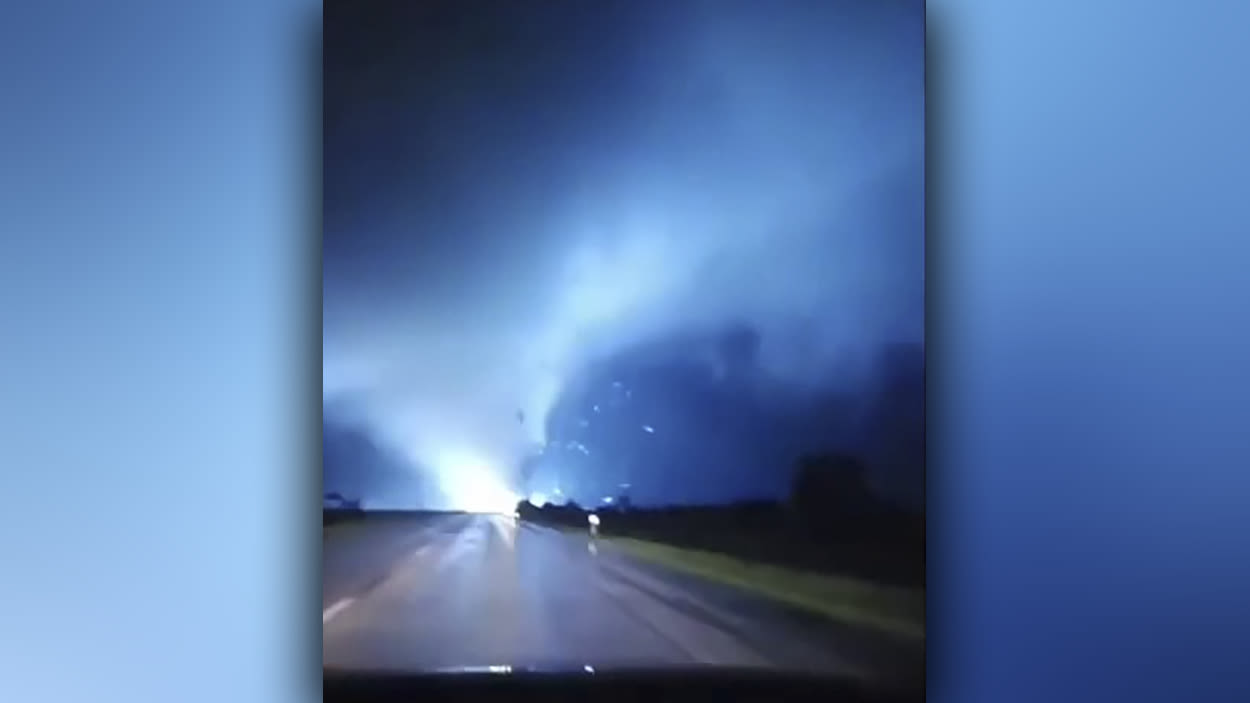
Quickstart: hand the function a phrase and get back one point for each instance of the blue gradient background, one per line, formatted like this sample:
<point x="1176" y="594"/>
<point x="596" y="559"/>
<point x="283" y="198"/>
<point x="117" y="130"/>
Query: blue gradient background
<point x="1090" y="346"/>
<point x="158" y="355"/>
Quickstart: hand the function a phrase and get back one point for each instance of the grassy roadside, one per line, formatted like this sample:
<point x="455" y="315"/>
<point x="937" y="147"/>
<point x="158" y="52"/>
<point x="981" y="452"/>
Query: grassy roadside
<point x="899" y="611"/>
<point x="339" y="529"/>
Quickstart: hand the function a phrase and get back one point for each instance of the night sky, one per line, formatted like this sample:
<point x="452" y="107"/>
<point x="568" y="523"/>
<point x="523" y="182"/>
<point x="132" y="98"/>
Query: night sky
<point x="531" y="204"/>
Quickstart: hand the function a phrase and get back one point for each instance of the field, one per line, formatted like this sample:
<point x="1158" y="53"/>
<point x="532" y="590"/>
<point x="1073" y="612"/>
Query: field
<point x="870" y="576"/>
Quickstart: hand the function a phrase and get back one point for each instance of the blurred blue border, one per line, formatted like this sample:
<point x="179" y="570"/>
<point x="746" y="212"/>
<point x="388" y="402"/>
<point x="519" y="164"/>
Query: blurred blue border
<point x="1090" y="310"/>
<point x="159" y="363"/>
<point x="1089" y="364"/>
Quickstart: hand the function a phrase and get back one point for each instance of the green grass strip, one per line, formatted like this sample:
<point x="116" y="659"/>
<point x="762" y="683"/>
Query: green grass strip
<point x="899" y="611"/>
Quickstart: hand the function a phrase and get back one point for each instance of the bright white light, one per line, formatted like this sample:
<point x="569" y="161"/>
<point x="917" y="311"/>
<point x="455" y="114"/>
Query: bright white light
<point x="607" y="499"/>
<point x="648" y="429"/>
<point x="470" y="484"/>
<point x="538" y="500"/>
<point x="593" y="519"/>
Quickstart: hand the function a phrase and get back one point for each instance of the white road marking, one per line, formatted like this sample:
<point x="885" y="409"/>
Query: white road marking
<point x="468" y="538"/>
<point x="336" y="609"/>
<point x="507" y="533"/>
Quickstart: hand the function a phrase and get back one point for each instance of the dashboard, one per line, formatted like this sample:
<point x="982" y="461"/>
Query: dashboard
<point x="506" y="684"/>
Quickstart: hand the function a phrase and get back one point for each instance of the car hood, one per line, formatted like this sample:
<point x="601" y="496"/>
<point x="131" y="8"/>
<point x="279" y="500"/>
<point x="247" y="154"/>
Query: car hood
<point x="588" y="678"/>
<point x="589" y="669"/>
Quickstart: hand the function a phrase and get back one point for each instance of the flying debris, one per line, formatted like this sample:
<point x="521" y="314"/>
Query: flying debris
<point x="520" y="416"/>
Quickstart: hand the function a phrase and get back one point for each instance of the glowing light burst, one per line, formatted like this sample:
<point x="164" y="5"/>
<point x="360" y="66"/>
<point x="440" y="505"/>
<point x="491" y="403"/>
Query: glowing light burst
<point x="470" y="484"/>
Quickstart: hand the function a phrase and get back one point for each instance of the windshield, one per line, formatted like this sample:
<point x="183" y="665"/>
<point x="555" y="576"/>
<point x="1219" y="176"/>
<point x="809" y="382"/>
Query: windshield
<point x="623" y="336"/>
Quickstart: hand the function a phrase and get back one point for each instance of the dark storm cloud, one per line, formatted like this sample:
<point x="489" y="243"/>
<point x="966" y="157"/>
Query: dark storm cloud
<point x="509" y="195"/>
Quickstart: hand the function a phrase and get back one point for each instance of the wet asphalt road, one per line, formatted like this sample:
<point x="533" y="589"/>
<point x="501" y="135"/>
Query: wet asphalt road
<point x="439" y="591"/>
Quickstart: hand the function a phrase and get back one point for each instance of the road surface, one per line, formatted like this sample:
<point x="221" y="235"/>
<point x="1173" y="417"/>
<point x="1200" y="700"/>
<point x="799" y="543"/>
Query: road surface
<point x="438" y="591"/>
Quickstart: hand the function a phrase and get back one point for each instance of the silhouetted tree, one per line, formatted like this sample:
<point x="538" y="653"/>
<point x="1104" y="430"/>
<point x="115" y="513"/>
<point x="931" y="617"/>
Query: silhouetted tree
<point x="894" y="427"/>
<point x="827" y="490"/>
<point x="527" y="510"/>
